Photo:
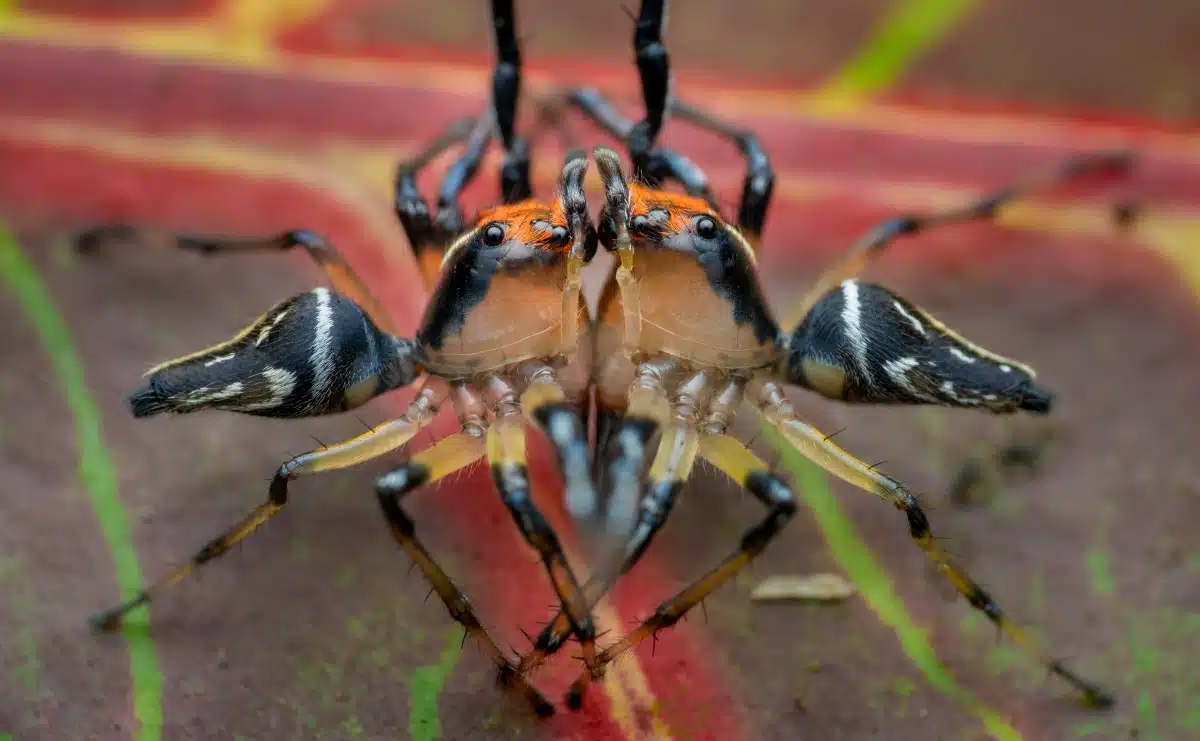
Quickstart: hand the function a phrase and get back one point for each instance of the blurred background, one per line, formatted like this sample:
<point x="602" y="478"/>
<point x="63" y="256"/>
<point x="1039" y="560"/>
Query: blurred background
<point x="246" y="117"/>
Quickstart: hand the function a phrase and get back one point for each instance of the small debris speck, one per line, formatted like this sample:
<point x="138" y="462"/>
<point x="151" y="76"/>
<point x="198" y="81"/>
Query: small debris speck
<point x="811" y="587"/>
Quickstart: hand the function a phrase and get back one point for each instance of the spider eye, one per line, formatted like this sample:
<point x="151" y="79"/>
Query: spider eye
<point x="493" y="235"/>
<point x="706" y="228"/>
<point x="638" y="223"/>
<point x="560" y="236"/>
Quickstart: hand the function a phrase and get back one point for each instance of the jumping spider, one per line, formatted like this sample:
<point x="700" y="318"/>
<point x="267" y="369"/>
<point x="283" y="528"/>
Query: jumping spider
<point x="683" y="337"/>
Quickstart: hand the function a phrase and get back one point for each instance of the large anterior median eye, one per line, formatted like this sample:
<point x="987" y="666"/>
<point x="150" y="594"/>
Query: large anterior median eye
<point x="560" y="236"/>
<point x="316" y="353"/>
<point x="705" y="227"/>
<point x="863" y="343"/>
<point x="493" y="235"/>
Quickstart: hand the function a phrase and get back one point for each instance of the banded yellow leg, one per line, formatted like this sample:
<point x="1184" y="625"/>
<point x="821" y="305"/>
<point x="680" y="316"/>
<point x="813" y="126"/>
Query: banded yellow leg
<point x="731" y="457"/>
<point x="369" y="445"/>
<point x="817" y="447"/>
<point x="443" y="458"/>
<point x="506" y="454"/>
<point x="546" y="404"/>
<point x="672" y="465"/>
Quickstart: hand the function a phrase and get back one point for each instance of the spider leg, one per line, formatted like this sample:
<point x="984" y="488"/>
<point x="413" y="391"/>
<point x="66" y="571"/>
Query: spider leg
<point x="651" y="163"/>
<point x="815" y="446"/>
<point x="653" y="63"/>
<point x="506" y="456"/>
<point x="871" y="245"/>
<point x="369" y="445"/>
<point x="499" y="120"/>
<point x="430" y="236"/>
<point x="427" y="238"/>
<point x="659" y="165"/>
<point x="545" y="402"/>
<point x="592" y="104"/>
<point x="759" y="181"/>
<point x="506" y="89"/>
<point x="648" y="410"/>
<point x="448" y="455"/>
<point x="729" y="455"/>
<point x="654" y="69"/>
<point x="672" y="465"/>
<point x="324" y="254"/>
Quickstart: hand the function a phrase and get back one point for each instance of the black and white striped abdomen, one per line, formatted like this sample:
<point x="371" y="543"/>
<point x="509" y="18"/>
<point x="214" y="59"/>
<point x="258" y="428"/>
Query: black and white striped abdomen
<point x="863" y="343"/>
<point x="313" y="354"/>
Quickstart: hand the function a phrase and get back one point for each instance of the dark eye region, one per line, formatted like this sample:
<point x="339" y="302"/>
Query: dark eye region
<point x="493" y="235"/>
<point x="559" y="236"/>
<point x="706" y="227"/>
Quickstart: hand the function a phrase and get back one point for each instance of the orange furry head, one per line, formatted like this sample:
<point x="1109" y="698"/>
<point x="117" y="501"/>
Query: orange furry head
<point x="679" y="208"/>
<point x="532" y="222"/>
<point x="559" y="227"/>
